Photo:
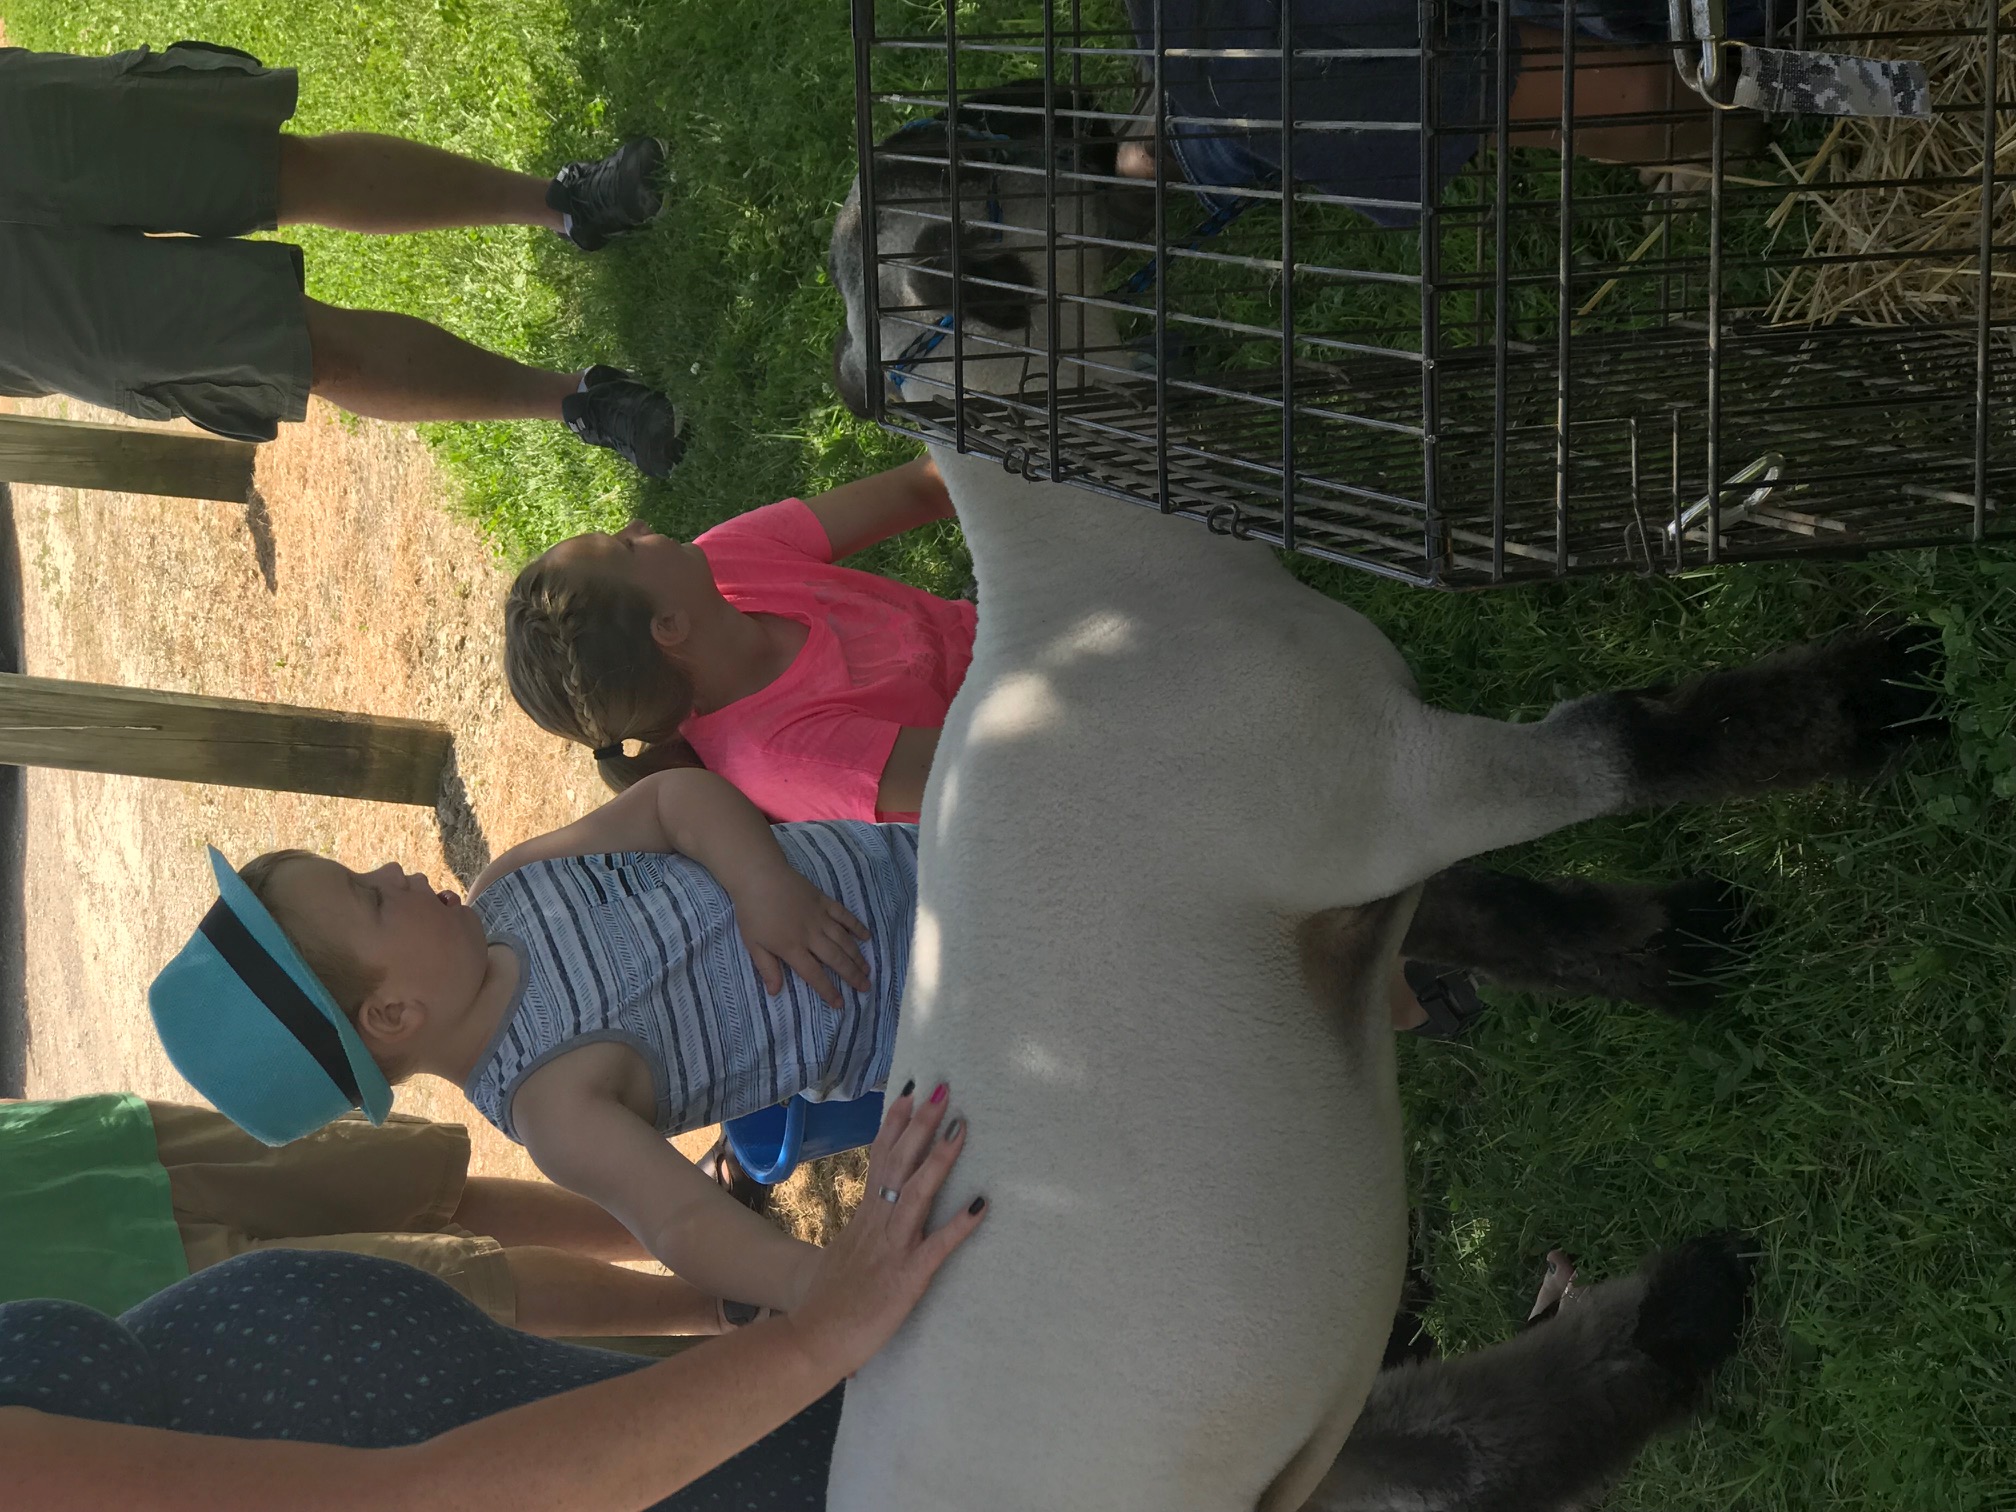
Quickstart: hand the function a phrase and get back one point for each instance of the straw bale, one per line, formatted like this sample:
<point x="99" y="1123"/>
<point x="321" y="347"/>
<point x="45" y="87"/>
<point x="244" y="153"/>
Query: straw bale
<point x="1926" y="233"/>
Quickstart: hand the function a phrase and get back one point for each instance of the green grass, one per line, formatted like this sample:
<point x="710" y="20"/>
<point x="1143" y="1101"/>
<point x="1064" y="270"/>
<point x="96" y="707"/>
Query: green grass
<point x="1852" y="1101"/>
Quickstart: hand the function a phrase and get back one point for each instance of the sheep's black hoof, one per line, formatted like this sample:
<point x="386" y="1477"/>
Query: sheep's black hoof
<point x="1696" y="1299"/>
<point x="1888" y="689"/>
<point x="1683" y="965"/>
<point x="1830" y="710"/>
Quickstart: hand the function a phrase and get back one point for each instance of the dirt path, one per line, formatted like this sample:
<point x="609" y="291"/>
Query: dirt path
<point x="347" y="585"/>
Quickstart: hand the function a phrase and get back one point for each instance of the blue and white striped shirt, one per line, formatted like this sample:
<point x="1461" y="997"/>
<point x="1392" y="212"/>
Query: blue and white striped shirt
<point x="643" y="950"/>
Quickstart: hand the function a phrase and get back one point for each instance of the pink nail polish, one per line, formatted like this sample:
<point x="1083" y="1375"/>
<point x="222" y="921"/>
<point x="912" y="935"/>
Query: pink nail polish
<point x="939" y="1095"/>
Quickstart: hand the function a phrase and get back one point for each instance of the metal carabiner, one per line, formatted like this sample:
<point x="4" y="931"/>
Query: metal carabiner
<point x="1700" y="35"/>
<point x="1763" y="473"/>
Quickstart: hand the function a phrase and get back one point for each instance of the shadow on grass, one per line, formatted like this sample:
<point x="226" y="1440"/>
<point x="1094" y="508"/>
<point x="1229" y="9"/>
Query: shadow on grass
<point x="463" y="842"/>
<point x="723" y="301"/>
<point x="259" y="526"/>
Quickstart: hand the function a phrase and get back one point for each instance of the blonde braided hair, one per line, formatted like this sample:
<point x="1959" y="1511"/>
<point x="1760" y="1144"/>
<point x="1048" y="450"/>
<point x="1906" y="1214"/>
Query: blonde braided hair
<point x="581" y="663"/>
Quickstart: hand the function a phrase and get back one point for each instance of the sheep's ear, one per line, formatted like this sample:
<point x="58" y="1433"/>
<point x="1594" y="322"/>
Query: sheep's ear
<point x="1100" y="154"/>
<point x="843" y="248"/>
<point x="849" y="379"/>
<point x="1098" y="144"/>
<point x="1026" y="95"/>
<point x="1003" y="309"/>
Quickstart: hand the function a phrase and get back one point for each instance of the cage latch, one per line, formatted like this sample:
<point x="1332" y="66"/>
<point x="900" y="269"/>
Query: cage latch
<point x="1735" y="75"/>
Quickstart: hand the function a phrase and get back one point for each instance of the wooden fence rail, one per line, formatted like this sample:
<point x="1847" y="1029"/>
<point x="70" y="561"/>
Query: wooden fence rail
<point x="123" y="459"/>
<point x="188" y="738"/>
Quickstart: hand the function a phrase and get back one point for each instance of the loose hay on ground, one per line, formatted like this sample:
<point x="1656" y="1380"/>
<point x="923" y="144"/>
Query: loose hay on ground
<point x="821" y="1195"/>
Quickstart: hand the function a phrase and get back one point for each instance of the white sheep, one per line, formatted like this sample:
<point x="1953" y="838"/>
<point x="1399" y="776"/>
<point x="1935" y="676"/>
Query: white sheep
<point x="1171" y="845"/>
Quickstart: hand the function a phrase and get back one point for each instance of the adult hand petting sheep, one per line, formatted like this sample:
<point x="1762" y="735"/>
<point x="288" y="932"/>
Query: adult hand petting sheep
<point x="877" y="1270"/>
<point x="430" y="1405"/>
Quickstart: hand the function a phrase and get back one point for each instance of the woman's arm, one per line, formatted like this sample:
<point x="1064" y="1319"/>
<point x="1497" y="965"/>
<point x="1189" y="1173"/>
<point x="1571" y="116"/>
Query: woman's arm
<point x="857" y="515"/>
<point x="610" y="1447"/>
<point x="61" y="1464"/>
<point x="596" y="1449"/>
<point x="784" y="919"/>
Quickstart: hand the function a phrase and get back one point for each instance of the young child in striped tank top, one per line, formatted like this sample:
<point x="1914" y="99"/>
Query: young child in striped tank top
<point x="664" y="963"/>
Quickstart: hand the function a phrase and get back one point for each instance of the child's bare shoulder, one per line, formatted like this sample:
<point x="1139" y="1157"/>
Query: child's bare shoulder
<point x="604" y="1072"/>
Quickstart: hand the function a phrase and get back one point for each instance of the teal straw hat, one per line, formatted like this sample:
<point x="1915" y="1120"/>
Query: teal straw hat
<point x="254" y="1030"/>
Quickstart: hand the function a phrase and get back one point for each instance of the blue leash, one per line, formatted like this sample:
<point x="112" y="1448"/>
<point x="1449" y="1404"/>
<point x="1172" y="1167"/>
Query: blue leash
<point x="927" y="342"/>
<point x="1143" y="278"/>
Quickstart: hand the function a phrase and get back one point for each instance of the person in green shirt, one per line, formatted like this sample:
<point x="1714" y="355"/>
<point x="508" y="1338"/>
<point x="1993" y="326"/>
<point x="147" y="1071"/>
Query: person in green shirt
<point x="106" y="1200"/>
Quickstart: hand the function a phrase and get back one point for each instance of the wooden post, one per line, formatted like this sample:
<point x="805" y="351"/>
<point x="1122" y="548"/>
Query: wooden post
<point x="89" y="727"/>
<point x="123" y="459"/>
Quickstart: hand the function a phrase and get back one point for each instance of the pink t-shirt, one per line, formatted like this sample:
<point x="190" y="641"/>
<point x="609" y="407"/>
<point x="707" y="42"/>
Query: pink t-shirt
<point x="878" y="655"/>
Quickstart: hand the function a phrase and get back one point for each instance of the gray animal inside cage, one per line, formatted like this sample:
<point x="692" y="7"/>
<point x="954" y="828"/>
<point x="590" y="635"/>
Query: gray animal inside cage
<point x="1507" y="302"/>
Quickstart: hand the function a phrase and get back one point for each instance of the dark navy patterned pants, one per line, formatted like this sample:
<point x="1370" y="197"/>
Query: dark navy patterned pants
<point x="346" y="1349"/>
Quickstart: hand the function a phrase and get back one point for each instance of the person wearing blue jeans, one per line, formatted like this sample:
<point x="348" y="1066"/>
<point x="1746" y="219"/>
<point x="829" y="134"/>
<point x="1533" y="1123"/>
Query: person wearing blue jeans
<point x="1364" y="66"/>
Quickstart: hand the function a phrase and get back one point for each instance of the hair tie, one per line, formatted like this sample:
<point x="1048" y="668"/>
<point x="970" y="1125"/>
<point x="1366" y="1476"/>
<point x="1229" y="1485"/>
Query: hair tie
<point x="609" y="752"/>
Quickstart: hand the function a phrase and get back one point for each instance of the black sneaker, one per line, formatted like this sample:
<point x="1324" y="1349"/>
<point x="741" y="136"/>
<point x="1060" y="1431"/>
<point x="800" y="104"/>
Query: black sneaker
<point x="631" y="418"/>
<point x="720" y="1166"/>
<point x="607" y="198"/>
<point x="1447" y="995"/>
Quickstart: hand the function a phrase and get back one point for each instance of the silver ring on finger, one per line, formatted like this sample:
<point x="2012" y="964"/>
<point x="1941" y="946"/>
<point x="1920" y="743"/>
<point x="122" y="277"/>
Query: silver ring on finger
<point x="889" y="1194"/>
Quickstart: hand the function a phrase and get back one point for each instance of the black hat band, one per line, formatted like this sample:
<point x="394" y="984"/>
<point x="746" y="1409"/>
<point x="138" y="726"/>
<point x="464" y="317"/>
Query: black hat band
<point x="282" y="995"/>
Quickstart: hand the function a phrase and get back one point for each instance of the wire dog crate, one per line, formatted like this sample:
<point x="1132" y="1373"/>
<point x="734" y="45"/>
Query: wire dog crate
<point x="1471" y="355"/>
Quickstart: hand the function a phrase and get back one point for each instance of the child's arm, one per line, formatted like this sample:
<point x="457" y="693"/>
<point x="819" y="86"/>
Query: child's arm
<point x="784" y="919"/>
<point x="581" y="1136"/>
<point x="901" y="790"/>
<point x="856" y="515"/>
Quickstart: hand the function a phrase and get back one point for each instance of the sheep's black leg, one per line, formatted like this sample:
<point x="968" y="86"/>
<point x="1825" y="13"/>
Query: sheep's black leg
<point x="1464" y="785"/>
<point x="1834" y="709"/>
<point x="1659" y="946"/>
<point x="1551" y="1419"/>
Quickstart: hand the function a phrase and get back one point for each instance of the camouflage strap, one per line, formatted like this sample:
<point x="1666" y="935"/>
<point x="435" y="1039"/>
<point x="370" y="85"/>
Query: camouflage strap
<point x="1779" y="81"/>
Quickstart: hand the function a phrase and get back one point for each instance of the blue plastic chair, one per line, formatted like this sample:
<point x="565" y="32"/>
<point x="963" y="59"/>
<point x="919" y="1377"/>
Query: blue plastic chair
<point x="771" y="1142"/>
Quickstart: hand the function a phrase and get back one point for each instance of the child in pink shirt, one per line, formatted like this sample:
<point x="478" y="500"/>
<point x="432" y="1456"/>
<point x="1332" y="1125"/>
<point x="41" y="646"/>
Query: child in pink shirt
<point x="817" y="690"/>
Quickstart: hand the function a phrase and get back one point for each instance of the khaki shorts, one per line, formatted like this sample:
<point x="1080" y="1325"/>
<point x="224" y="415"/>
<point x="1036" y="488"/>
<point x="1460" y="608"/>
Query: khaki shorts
<point x="388" y="1191"/>
<point x="100" y="151"/>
